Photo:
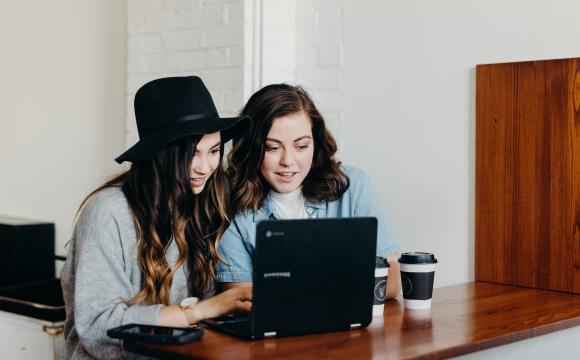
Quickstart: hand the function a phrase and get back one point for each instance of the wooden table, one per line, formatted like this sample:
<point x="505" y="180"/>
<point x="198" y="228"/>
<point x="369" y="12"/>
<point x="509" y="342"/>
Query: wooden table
<point x="463" y="319"/>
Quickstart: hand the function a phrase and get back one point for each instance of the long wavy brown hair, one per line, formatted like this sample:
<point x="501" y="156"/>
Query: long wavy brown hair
<point x="325" y="182"/>
<point x="164" y="208"/>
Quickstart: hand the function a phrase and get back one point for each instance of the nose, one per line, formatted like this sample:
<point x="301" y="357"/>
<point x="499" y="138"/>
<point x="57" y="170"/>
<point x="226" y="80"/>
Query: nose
<point x="201" y="165"/>
<point x="286" y="158"/>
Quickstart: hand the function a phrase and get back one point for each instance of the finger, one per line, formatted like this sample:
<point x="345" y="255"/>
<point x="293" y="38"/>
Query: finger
<point x="245" y="306"/>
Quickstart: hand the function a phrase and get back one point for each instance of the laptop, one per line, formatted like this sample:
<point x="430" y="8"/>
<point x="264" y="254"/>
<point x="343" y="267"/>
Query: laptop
<point x="310" y="276"/>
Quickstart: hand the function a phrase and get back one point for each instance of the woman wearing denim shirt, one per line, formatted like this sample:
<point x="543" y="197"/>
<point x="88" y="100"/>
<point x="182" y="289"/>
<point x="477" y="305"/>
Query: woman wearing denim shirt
<point x="284" y="168"/>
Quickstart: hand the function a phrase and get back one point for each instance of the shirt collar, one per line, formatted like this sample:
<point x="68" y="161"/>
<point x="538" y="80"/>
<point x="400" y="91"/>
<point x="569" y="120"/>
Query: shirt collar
<point x="266" y="213"/>
<point x="320" y="205"/>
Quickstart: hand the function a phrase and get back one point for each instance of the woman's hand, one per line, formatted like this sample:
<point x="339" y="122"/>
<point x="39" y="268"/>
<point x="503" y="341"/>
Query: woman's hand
<point x="229" y="301"/>
<point x="232" y="300"/>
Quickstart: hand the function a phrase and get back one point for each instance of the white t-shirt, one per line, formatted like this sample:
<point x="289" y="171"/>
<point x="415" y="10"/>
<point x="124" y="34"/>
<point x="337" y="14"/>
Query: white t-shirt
<point x="289" y="205"/>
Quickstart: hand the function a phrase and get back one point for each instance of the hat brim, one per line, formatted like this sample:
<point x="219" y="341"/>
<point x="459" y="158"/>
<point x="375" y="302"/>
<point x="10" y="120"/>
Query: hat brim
<point x="146" y="147"/>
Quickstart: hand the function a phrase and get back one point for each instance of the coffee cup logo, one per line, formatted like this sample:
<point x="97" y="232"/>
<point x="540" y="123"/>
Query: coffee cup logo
<point x="406" y="284"/>
<point x="380" y="290"/>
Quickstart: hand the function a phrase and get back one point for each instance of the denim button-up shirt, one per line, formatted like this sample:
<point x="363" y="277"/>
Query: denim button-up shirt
<point x="237" y="245"/>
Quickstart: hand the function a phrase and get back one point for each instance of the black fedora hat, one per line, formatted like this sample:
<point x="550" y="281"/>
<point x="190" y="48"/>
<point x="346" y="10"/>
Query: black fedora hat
<point x="170" y="108"/>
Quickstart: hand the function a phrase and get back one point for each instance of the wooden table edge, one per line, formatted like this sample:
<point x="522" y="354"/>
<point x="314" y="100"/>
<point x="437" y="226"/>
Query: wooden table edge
<point x="496" y="341"/>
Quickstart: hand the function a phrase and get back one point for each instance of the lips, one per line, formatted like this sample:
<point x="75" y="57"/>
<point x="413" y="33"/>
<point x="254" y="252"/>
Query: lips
<point x="286" y="176"/>
<point x="197" y="181"/>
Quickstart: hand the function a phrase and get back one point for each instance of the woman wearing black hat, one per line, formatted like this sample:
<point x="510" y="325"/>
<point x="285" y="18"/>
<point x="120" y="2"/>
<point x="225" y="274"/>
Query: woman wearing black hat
<point x="144" y="245"/>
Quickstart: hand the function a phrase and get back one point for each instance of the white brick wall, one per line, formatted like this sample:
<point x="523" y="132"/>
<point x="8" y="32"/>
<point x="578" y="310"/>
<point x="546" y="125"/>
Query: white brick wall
<point x="187" y="37"/>
<point x="238" y="46"/>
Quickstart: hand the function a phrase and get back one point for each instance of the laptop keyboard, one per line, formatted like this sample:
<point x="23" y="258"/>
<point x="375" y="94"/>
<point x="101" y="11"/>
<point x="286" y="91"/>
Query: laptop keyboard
<point x="243" y="327"/>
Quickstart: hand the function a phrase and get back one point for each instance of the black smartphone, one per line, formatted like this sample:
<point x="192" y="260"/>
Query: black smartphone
<point x="156" y="334"/>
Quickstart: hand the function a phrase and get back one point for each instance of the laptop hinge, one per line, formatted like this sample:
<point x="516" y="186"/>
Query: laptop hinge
<point x="269" y="334"/>
<point x="352" y="326"/>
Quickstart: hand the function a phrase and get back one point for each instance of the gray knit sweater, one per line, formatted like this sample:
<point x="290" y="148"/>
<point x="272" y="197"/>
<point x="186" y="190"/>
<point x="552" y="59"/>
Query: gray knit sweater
<point x="100" y="273"/>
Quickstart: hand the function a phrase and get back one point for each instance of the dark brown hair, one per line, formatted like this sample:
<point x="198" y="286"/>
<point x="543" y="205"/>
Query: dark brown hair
<point x="164" y="207"/>
<point x="325" y="181"/>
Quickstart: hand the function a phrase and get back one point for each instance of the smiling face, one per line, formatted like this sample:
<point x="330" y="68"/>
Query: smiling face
<point x="288" y="152"/>
<point x="205" y="160"/>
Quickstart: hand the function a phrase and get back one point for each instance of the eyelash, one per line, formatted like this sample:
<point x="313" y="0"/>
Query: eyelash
<point x="212" y="152"/>
<point x="274" y="148"/>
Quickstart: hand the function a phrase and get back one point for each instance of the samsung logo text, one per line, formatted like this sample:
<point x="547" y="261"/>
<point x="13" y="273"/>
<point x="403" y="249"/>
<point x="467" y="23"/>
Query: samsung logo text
<point x="285" y="274"/>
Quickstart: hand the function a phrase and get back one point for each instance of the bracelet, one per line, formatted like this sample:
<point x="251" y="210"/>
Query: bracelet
<point x="187" y="305"/>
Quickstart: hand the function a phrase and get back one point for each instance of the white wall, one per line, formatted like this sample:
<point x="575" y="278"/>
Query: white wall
<point x="302" y="44"/>
<point x="319" y="58"/>
<point x="62" y="94"/>
<point x="409" y="69"/>
<point x="278" y="41"/>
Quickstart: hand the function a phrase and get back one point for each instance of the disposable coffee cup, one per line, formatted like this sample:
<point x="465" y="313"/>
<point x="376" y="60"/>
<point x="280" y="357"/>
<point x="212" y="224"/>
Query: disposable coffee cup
<point x="417" y="275"/>
<point x="380" y="289"/>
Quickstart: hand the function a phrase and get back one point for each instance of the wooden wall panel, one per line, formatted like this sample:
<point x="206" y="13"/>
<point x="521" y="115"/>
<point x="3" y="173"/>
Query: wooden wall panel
<point x="575" y="110"/>
<point x="528" y="174"/>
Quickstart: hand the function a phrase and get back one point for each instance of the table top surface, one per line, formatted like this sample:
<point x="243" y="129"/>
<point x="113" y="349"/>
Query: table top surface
<point x="463" y="319"/>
